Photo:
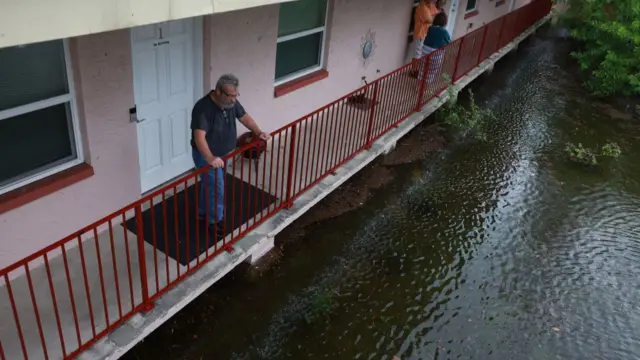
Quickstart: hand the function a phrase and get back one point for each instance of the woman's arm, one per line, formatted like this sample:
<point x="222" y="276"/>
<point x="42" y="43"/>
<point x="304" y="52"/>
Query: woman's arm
<point x="447" y="37"/>
<point x="424" y="15"/>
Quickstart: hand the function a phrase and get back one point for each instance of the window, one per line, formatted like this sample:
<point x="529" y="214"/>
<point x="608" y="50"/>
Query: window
<point x="38" y="135"/>
<point x="301" y="31"/>
<point x="472" y="5"/>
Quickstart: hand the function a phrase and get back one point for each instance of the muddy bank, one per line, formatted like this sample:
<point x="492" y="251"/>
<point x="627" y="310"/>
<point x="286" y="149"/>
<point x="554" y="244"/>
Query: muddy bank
<point x="418" y="144"/>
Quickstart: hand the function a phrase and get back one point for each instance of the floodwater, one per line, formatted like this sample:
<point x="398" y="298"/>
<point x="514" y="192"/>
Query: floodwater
<point x="496" y="250"/>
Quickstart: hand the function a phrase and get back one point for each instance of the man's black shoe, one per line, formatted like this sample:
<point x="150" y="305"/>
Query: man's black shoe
<point x="219" y="229"/>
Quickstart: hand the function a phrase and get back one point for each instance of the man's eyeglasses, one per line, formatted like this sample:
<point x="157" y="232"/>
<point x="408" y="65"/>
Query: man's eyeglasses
<point x="229" y="95"/>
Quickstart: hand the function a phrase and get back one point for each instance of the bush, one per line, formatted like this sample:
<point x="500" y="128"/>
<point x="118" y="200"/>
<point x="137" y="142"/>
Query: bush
<point x="609" y="34"/>
<point x="471" y="119"/>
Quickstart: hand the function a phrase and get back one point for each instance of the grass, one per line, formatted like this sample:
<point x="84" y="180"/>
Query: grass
<point x="467" y="120"/>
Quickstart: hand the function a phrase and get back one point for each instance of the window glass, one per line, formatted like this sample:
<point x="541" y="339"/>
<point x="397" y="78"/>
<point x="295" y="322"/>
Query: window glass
<point x="301" y="15"/>
<point x="298" y="54"/>
<point x="36" y="141"/>
<point x="471" y="4"/>
<point x="32" y="73"/>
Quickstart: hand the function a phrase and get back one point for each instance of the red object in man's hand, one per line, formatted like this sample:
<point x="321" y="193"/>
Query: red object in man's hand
<point x="253" y="152"/>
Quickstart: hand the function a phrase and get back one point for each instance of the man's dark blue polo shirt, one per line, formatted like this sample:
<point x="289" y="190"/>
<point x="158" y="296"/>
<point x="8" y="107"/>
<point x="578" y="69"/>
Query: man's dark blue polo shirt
<point x="219" y="123"/>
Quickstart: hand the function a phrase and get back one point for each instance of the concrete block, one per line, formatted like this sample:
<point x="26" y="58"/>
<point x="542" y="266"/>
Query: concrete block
<point x="263" y="246"/>
<point x="389" y="148"/>
<point x="489" y="69"/>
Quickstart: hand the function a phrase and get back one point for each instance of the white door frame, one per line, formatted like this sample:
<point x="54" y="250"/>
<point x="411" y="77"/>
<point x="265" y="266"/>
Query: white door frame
<point x="451" y="24"/>
<point x="198" y="58"/>
<point x="198" y="71"/>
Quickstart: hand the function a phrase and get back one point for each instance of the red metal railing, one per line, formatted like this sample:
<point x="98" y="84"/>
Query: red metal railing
<point x="62" y="299"/>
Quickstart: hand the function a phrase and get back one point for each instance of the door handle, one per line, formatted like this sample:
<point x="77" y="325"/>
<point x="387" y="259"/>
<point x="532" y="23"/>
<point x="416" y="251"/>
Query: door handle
<point x="133" y="115"/>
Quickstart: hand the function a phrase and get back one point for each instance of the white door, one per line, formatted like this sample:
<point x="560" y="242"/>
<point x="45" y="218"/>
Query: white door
<point x="452" y="15"/>
<point x="512" y="5"/>
<point x="164" y="75"/>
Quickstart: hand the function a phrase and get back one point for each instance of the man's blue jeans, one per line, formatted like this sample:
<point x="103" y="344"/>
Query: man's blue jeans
<point x="211" y="189"/>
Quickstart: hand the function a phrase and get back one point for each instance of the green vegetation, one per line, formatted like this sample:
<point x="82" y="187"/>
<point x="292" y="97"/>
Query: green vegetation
<point x="580" y="154"/>
<point x="323" y="302"/>
<point x="470" y="119"/>
<point x="611" y="150"/>
<point x="608" y="32"/>
<point x="589" y="157"/>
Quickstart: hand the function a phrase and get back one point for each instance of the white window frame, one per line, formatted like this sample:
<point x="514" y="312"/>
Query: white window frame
<point x="301" y="73"/>
<point x="70" y="97"/>
<point x="473" y="9"/>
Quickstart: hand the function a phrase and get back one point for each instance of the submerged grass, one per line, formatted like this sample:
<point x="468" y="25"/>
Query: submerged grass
<point x="323" y="303"/>
<point x="465" y="120"/>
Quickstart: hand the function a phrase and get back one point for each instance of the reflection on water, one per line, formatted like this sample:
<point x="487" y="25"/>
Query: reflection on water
<point x="514" y="254"/>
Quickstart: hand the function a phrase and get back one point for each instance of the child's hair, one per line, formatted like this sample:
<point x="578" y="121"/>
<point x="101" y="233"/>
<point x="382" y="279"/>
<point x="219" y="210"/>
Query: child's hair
<point x="440" y="19"/>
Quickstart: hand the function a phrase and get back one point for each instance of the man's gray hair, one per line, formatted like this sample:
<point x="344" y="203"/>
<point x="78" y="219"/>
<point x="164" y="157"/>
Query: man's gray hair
<point x="227" y="79"/>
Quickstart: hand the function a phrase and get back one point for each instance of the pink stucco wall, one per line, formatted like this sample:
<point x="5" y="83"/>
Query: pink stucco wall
<point x="242" y="42"/>
<point x="520" y="3"/>
<point x="487" y="12"/>
<point x="103" y="77"/>
<point x="250" y="54"/>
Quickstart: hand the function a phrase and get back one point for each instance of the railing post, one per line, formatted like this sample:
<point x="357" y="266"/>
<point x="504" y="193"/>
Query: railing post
<point x="504" y="21"/>
<point x="427" y="60"/>
<point x="372" y="116"/>
<point x="146" y="304"/>
<point x="454" y="78"/>
<point x="291" y="167"/>
<point x="484" y="38"/>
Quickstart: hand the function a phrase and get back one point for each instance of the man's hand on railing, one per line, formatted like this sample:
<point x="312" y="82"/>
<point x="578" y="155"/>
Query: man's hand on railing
<point x="217" y="163"/>
<point x="264" y="136"/>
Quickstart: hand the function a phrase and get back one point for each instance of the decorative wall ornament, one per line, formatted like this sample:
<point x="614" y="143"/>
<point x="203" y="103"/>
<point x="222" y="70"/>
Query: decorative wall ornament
<point x="368" y="47"/>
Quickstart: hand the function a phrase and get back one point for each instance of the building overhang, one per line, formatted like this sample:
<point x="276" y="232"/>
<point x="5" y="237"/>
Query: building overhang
<point x="30" y="21"/>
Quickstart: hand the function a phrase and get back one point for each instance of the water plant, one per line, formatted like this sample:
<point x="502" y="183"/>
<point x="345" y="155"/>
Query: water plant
<point x="580" y="154"/>
<point x="470" y="119"/>
<point x="587" y="156"/>
<point x="323" y="302"/>
<point x="611" y="149"/>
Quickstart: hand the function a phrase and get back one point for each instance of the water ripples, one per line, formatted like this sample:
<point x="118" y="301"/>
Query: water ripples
<point x="499" y="250"/>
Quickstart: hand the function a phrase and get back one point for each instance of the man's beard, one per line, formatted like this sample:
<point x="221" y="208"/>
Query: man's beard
<point x="227" y="105"/>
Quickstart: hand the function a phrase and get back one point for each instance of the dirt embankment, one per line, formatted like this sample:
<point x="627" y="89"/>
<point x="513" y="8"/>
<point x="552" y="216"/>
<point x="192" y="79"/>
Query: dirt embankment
<point x="417" y="145"/>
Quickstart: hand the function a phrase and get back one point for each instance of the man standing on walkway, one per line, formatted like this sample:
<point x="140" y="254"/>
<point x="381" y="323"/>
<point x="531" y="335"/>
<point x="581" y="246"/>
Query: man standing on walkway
<point x="214" y="135"/>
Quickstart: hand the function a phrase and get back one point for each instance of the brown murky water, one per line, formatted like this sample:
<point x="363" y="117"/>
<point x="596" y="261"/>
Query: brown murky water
<point x="497" y="250"/>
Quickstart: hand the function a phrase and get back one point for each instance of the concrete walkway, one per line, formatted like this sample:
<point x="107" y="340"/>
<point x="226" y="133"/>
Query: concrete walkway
<point x="114" y="251"/>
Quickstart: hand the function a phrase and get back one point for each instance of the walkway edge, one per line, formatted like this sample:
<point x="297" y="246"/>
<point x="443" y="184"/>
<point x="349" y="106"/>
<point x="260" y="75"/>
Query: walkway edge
<point x="260" y="241"/>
